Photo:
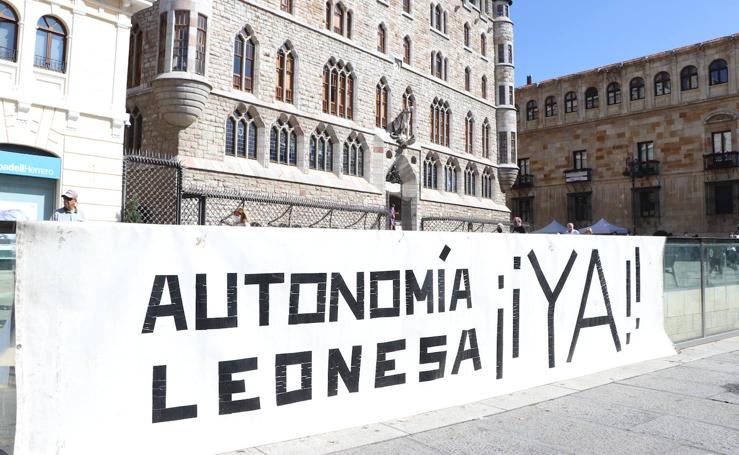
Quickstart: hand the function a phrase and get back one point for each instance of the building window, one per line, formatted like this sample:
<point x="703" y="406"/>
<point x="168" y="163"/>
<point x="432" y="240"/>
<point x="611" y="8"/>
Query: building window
<point x="570" y="102"/>
<point x="721" y="142"/>
<point x="614" y="93"/>
<point x="321" y="153"/>
<point x="51" y="44"/>
<point x="591" y="98"/>
<point x="466" y="35"/>
<point x="283" y="144"/>
<point x="8" y="33"/>
<point x="486" y="183"/>
<point x="381" y="38"/>
<point x="662" y="84"/>
<point x="470" y="175"/>
<point x="503" y="148"/>
<point x="135" y="44"/>
<point x="338" y="89"/>
<point x="579" y="209"/>
<point x="407" y="6"/>
<point x="407" y="50"/>
<point x="510" y="96"/>
<point x="501" y="53"/>
<point x="353" y="157"/>
<point x="523" y="207"/>
<point x="338" y="19"/>
<point x="510" y="54"/>
<point x="636" y="87"/>
<point x="718" y="72"/>
<point x="244" y="54"/>
<point x="381" y="103"/>
<point x="483" y="45"/>
<point x="285" y="87"/>
<point x="484" y="87"/>
<point x="431" y="172"/>
<point x="550" y="107"/>
<point x="162" y="49"/>
<point x="648" y="202"/>
<point x="523" y="166"/>
<point x="451" y="172"/>
<point x="439" y="122"/>
<point x="133" y="132"/>
<point x="721" y="197"/>
<point x="241" y="135"/>
<point x="181" y="39"/>
<point x="467" y="78"/>
<point x="469" y="126"/>
<point x="200" y="45"/>
<point x="438" y="18"/>
<point x="501" y="94"/>
<point x="485" y="134"/>
<point x="409" y="104"/>
<point x="438" y="65"/>
<point x="286" y="6"/>
<point x="579" y="160"/>
<point x="502" y="10"/>
<point x="689" y="78"/>
<point x="645" y="152"/>
<point x="532" y="110"/>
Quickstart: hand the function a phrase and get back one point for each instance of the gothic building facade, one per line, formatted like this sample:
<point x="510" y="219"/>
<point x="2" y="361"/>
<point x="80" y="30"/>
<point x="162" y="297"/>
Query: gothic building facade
<point x="296" y="98"/>
<point x="649" y="144"/>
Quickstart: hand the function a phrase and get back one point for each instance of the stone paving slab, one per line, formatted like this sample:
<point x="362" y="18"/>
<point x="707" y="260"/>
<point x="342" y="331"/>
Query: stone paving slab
<point x="698" y="434"/>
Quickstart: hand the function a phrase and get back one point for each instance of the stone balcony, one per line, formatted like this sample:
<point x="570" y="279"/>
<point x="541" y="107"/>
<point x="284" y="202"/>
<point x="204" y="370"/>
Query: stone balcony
<point x="181" y="97"/>
<point x="507" y="174"/>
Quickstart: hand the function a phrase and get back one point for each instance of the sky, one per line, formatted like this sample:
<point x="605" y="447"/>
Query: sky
<point x="556" y="38"/>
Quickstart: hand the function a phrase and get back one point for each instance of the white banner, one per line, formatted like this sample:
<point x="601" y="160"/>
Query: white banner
<point x="200" y="340"/>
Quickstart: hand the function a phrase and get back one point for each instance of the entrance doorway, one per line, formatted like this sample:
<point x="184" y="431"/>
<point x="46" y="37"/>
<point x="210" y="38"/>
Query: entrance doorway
<point x="402" y="193"/>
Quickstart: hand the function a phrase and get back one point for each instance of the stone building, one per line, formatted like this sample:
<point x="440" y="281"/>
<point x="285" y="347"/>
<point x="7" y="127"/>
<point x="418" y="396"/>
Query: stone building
<point x="649" y="144"/>
<point x="298" y="98"/>
<point x="62" y="103"/>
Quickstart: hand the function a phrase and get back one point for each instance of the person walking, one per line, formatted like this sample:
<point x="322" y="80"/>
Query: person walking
<point x="70" y="211"/>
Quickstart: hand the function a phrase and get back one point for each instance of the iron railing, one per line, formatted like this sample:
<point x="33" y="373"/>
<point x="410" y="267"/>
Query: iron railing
<point x="152" y="189"/>
<point x="50" y="64"/>
<point x="722" y="160"/>
<point x="462" y="224"/>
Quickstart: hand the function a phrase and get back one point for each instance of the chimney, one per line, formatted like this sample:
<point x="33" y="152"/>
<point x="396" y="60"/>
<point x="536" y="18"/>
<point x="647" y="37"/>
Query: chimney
<point x="529" y="80"/>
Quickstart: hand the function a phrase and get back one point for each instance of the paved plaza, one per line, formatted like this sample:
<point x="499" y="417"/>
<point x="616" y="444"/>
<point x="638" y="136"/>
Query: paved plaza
<point x="684" y="404"/>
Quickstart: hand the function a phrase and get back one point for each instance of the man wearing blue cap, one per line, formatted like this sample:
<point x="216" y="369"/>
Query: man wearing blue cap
<point x="69" y="212"/>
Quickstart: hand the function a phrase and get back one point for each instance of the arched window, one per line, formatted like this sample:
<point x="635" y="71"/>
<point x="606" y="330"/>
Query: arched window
<point x="286" y="6"/>
<point x="133" y="132"/>
<point x="409" y="104"/>
<point x="467" y="78"/>
<point x="338" y="89"/>
<point x="381" y="103"/>
<point x="614" y="93"/>
<point x="381" y="38"/>
<point x="718" y="72"/>
<point x="483" y="45"/>
<point x="484" y="87"/>
<point x="550" y="107"/>
<point x="321" y="154"/>
<point x="689" y="78"/>
<point x="532" y="110"/>
<point x="8" y="33"/>
<point x="451" y="174"/>
<point x="431" y="172"/>
<point x="338" y="19"/>
<point x="353" y="157"/>
<point x="570" y="102"/>
<point x="241" y="135"/>
<point x="485" y="135"/>
<point x="407" y="6"/>
<point x="407" y="50"/>
<point x="283" y="143"/>
<point x="466" y="35"/>
<point x="469" y="127"/>
<point x="470" y="175"/>
<point x="438" y="18"/>
<point x="135" y="46"/>
<point x="636" y="87"/>
<point x="244" y="55"/>
<point x="439" y="122"/>
<point x="285" y="87"/>
<point x="51" y="44"/>
<point x="591" y="98"/>
<point x="487" y="183"/>
<point x="438" y="65"/>
<point x="662" y="84"/>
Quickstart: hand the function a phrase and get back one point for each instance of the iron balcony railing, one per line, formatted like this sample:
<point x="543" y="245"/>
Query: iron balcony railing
<point x="7" y="53"/>
<point x="636" y="168"/>
<point x="578" y="175"/>
<point x="721" y="160"/>
<point x="52" y="65"/>
<point x="524" y="181"/>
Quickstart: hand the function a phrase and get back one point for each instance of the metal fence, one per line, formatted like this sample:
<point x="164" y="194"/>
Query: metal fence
<point x="152" y="190"/>
<point x="203" y="206"/>
<point x="461" y="224"/>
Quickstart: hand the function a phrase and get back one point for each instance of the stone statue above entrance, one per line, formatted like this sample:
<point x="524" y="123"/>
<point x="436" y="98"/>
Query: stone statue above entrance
<point x="400" y="130"/>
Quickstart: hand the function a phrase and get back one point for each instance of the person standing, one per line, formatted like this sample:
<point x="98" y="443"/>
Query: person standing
<point x="70" y="211"/>
<point x="499" y="228"/>
<point x="518" y="225"/>
<point x="571" y="229"/>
